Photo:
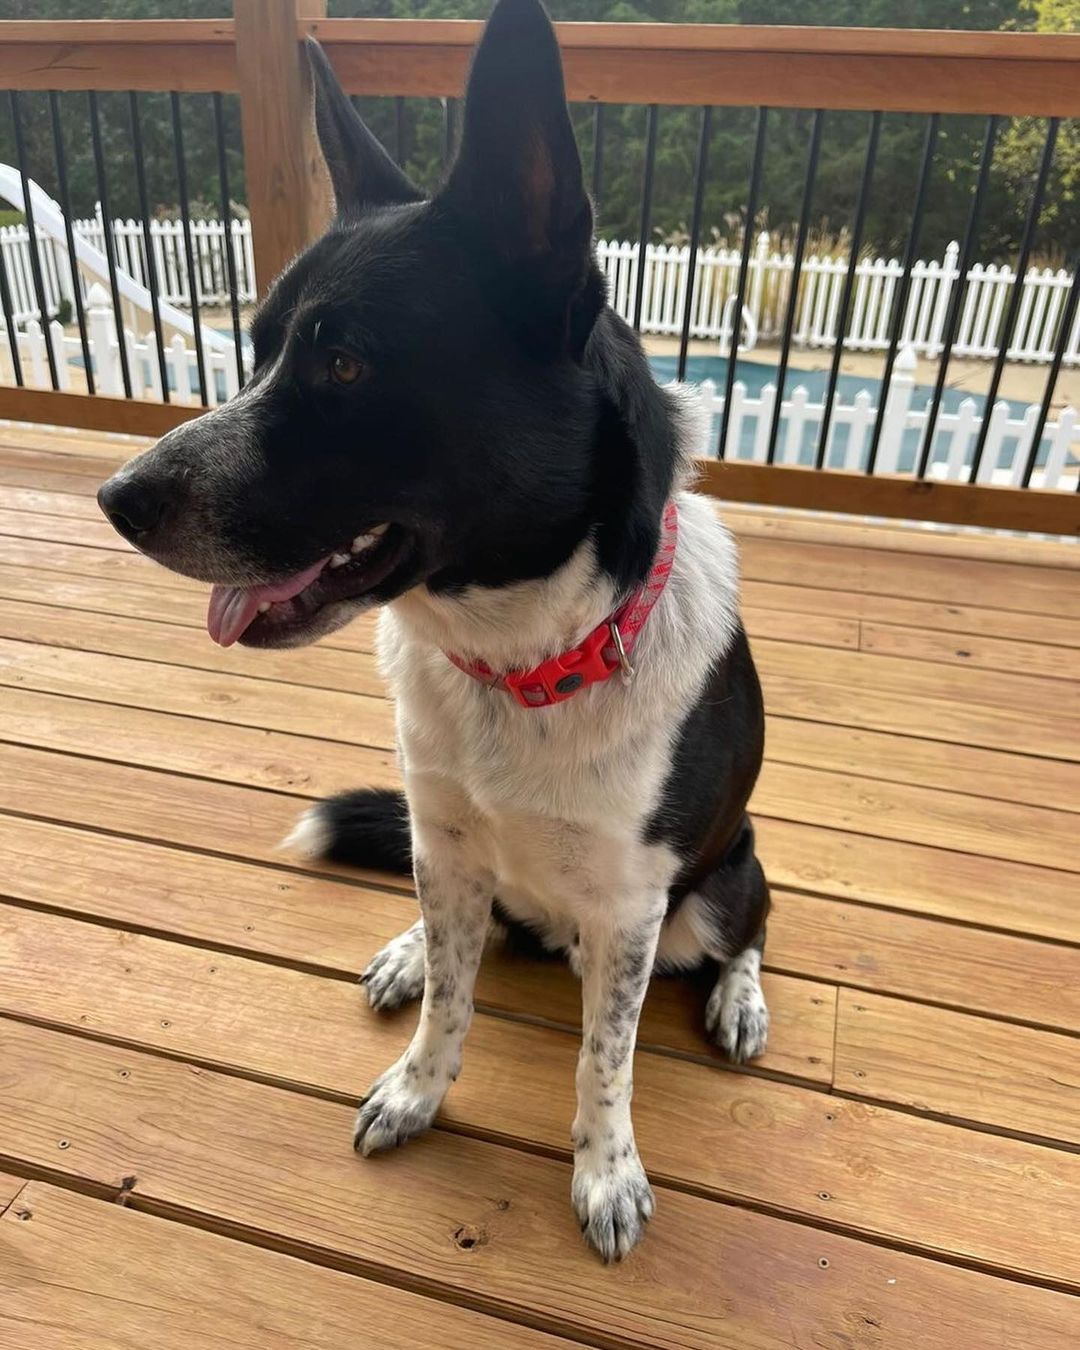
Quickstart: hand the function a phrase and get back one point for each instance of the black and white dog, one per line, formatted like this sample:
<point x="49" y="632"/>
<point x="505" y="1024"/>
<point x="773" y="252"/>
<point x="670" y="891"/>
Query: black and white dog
<point x="447" y="420"/>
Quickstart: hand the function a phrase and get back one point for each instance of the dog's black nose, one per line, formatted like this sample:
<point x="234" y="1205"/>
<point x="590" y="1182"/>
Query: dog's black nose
<point x="133" y="505"/>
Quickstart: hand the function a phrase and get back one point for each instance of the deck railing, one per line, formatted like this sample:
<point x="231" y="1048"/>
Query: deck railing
<point x="878" y="72"/>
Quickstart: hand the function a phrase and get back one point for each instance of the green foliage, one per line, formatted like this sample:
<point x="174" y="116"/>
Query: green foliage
<point x="424" y="142"/>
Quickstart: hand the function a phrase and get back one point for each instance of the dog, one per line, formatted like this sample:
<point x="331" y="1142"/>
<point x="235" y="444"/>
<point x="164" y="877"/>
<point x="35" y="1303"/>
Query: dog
<point x="447" y="420"/>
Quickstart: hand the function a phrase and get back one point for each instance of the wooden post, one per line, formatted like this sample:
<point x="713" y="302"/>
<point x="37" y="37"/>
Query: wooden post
<point x="287" y="187"/>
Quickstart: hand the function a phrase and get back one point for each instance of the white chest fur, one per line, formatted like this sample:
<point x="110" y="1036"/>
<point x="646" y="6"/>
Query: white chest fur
<point x="551" y="803"/>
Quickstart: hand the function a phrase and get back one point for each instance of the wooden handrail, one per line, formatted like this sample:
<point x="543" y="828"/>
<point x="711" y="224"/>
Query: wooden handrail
<point x="188" y="55"/>
<point x="1034" y="74"/>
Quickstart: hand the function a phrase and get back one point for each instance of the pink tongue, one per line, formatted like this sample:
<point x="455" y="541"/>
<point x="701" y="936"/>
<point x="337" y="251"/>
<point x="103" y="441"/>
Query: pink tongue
<point x="233" y="608"/>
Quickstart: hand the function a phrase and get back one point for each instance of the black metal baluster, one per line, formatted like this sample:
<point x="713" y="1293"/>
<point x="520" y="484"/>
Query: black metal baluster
<point x="1068" y="318"/>
<point x="449" y="130"/>
<point x="861" y="204"/>
<point x="189" y="252"/>
<point x="900" y="299"/>
<point x="399" y="130"/>
<point x="1016" y="293"/>
<point x="952" y="321"/>
<point x="110" y="242"/>
<point x="69" y="235"/>
<point x="812" y="156"/>
<point x="744" y="271"/>
<point x="148" y="245"/>
<point x="226" y="219"/>
<point x="700" y="166"/>
<point x="9" y="322"/>
<point x="597" y="154"/>
<point x="651" y="118"/>
<point x="35" y="257"/>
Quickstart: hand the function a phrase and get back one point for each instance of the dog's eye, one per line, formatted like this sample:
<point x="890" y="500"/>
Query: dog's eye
<point x="345" y="369"/>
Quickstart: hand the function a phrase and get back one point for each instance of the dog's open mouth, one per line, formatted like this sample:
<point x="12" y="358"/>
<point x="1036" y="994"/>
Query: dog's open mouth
<point x="272" y="613"/>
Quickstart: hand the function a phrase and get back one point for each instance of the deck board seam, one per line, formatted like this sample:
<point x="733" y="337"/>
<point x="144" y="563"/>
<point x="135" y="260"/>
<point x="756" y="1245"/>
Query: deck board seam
<point x="323" y="1093"/>
<point x="386" y="884"/>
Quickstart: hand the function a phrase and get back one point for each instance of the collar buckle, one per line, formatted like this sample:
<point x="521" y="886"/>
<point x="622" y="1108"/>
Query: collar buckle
<point x="560" y="677"/>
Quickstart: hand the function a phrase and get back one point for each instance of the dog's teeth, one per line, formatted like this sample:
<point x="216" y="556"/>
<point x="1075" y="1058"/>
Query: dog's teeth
<point x="338" y="559"/>
<point x="264" y="606"/>
<point x="361" y="542"/>
<point x="379" y="530"/>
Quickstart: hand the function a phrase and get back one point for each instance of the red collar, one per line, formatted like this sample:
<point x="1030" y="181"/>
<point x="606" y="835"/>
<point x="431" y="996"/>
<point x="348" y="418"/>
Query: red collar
<point x="606" y="649"/>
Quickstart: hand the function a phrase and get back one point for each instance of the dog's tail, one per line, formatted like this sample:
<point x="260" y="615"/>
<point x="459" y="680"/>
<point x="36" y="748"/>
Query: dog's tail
<point x="366" y="828"/>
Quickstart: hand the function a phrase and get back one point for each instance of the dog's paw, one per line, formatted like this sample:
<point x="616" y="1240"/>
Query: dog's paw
<point x="736" y="1017"/>
<point x="396" y="975"/>
<point x="612" y="1199"/>
<point x="395" y="1110"/>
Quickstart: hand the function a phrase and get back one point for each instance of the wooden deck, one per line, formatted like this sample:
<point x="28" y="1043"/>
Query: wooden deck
<point x="183" y="1038"/>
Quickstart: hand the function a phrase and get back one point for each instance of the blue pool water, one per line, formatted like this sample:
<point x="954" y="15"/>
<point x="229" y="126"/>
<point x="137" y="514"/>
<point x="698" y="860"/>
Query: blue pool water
<point x="755" y="375"/>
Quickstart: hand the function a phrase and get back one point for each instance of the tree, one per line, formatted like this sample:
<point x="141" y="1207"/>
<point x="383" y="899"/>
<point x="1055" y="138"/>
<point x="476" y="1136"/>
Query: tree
<point x="1021" y="146"/>
<point x="424" y="142"/>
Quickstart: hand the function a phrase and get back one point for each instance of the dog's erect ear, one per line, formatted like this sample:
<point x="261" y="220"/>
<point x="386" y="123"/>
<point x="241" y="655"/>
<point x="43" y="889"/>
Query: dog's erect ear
<point x="518" y="175"/>
<point x="362" y="173"/>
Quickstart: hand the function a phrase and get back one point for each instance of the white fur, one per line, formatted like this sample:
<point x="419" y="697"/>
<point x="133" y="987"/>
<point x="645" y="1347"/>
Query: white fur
<point x="736" y="1016"/>
<point x="546" y="808"/>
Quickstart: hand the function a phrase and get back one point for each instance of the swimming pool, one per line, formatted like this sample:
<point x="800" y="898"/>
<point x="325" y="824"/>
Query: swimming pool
<point x="755" y="375"/>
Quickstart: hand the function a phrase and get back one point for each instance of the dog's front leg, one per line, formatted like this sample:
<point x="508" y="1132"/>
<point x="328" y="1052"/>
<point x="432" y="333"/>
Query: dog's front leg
<point x="611" y="1193"/>
<point x="456" y="905"/>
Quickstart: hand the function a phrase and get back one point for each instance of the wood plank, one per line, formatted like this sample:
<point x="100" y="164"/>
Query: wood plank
<point x="743" y="76"/>
<point x="1001" y="585"/>
<point x="194" y="746"/>
<point x="786" y="1148"/>
<point x="238" y="700"/>
<point x="932" y="680"/>
<point x="41" y="472"/>
<point x="99" y="412"/>
<point x="336" y="927"/>
<point x="71" y="441"/>
<point x="278" y="1158"/>
<point x="1017" y="778"/>
<point x="224" y="818"/>
<point x="10" y="1186"/>
<point x="982" y="708"/>
<point x="862" y="494"/>
<point x="144" y="599"/>
<point x="818" y="630"/>
<point x="922" y="815"/>
<point x="201" y="813"/>
<point x="51" y="503"/>
<point x="922" y="763"/>
<point x="786" y="791"/>
<point x="1016" y="897"/>
<point x="74" y="559"/>
<point x="186" y="647"/>
<point x="63" y="530"/>
<point x="138" y="595"/>
<point x="1026" y="658"/>
<point x="78" y="1271"/>
<point x="949" y="618"/>
<point x="1002" y="976"/>
<point x="955" y="1065"/>
<point x="900" y="537"/>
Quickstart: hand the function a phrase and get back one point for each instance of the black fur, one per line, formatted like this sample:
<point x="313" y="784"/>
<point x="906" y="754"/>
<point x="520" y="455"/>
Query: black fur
<point x="368" y="828"/>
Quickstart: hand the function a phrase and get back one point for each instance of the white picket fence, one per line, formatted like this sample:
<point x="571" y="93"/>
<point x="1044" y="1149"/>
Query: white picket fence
<point x="820" y="285"/>
<point x="167" y="245"/>
<point x="666" y="274"/>
<point x="181" y="364"/>
<point x="1008" y="441"/>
